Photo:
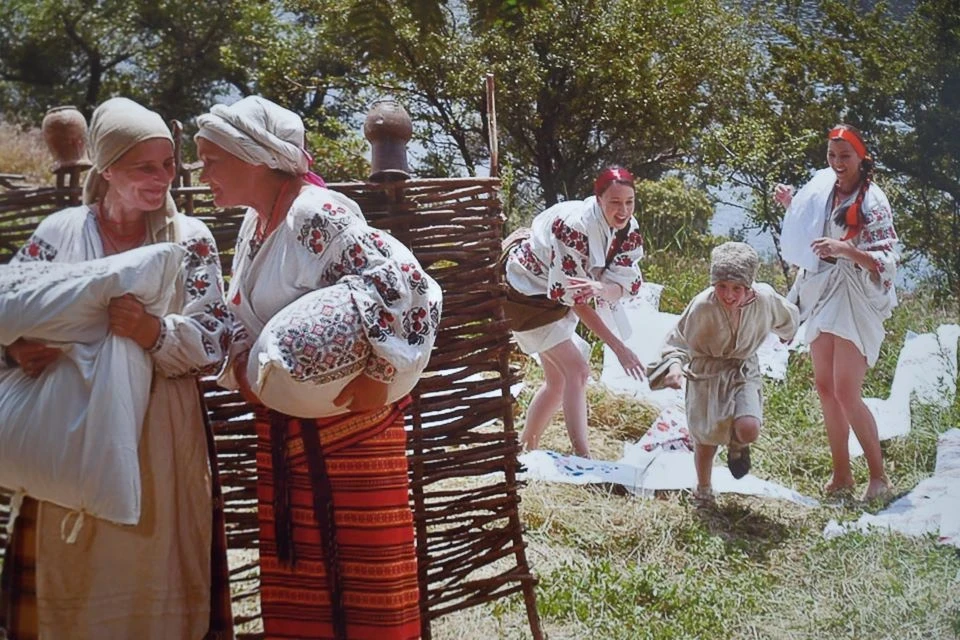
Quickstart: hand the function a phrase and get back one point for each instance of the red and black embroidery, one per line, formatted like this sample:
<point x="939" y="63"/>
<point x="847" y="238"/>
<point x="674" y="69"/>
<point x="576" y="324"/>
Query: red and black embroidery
<point x="197" y="285"/>
<point x="200" y="252"/>
<point x="380" y="369"/>
<point x="415" y="325"/>
<point x="557" y="291"/>
<point x="314" y="234"/>
<point x="356" y="257"/>
<point x="376" y="241"/>
<point x="633" y="241"/>
<point x="218" y="310"/>
<point x="569" y="237"/>
<point x="387" y="285"/>
<point x="37" y="249"/>
<point x="378" y="321"/>
<point x="569" y="266"/>
<point x="528" y="259"/>
<point x="326" y="343"/>
<point x="415" y="277"/>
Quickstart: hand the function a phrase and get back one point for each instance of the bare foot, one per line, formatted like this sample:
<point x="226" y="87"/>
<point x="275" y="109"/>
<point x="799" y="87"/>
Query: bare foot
<point x="839" y="485"/>
<point x="704" y="497"/>
<point x="877" y="488"/>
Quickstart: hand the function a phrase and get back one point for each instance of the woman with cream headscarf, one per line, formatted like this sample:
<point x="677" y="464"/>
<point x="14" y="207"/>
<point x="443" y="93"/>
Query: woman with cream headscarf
<point x="153" y="579"/>
<point x="337" y="557"/>
<point x="839" y="230"/>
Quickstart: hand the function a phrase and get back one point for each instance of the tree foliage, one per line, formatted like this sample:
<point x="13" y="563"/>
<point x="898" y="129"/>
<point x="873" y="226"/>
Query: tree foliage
<point x="664" y="87"/>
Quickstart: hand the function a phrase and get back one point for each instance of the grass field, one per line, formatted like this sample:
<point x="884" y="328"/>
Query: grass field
<point x="613" y="566"/>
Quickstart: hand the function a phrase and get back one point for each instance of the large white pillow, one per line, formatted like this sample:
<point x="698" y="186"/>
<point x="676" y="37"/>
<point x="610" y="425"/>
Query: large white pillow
<point x="71" y="435"/>
<point x="67" y="301"/>
<point x="308" y="352"/>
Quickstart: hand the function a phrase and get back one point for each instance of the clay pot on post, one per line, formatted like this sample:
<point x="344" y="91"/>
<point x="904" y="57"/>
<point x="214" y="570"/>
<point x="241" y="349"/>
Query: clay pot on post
<point x="65" y="132"/>
<point x="388" y="128"/>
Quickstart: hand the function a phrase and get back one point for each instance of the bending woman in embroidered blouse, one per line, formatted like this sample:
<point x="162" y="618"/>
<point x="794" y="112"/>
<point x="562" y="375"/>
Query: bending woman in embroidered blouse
<point x="577" y="252"/>
<point x="839" y="230"/>
<point x="152" y="579"/>
<point x="337" y="557"/>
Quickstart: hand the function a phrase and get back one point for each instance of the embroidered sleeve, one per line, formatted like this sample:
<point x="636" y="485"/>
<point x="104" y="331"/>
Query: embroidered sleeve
<point x="36" y="249"/>
<point x="623" y="267"/>
<point x="569" y="253"/>
<point x="195" y="340"/>
<point x="878" y="238"/>
<point x="399" y="304"/>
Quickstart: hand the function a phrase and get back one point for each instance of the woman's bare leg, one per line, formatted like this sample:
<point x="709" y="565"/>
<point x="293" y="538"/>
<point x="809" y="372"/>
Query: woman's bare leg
<point x="838" y="429"/>
<point x="849" y="369"/>
<point x="544" y="405"/>
<point x="567" y="359"/>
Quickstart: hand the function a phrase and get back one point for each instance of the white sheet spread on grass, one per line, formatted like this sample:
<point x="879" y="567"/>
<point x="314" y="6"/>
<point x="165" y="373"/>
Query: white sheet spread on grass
<point x="932" y="508"/>
<point x="663" y="459"/>
<point x="926" y="369"/>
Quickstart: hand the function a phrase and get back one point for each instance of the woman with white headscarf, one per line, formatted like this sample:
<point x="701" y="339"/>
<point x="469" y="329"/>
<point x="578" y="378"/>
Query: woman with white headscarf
<point x="337" y="557"/>
<point x="152" y="580"/>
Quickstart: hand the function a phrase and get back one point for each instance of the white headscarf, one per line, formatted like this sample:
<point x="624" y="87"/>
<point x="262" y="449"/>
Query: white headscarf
<point x="258" y="131"/>
<point x="116" y="126"/>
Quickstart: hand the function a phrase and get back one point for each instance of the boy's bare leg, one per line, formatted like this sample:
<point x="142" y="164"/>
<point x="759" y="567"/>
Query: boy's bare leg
<point x="703" y="455"/>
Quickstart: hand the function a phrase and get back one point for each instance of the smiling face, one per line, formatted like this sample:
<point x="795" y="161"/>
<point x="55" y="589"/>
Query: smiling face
<point x="141" y="178"/>
<point x="617" y="204"/>
<point x="845" y="162"/>
<point x="232" y="181"/>
<point x="731" y="294"/>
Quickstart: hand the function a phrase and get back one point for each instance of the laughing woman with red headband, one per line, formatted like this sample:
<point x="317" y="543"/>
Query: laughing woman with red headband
<point x="575" y="253"/>
<point x="839" y="230"/>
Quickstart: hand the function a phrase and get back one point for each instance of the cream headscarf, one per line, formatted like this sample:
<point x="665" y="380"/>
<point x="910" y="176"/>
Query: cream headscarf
<point x="116" y="126"/>
<point x="259" y="131"/>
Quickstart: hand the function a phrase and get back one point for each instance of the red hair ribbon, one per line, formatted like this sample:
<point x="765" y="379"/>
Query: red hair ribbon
<point x="609" y="176"/>
<point x="841" y="133"/>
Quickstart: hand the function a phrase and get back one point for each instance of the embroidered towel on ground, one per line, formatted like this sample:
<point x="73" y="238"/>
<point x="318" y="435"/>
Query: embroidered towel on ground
<point x="70" y="436"/>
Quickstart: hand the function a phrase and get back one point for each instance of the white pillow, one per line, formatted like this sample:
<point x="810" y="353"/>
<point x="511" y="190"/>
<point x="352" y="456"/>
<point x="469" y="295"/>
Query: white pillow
<point x="308" y="352"/>
<point x="71" y="435"/>
<point x="67" y="301"/>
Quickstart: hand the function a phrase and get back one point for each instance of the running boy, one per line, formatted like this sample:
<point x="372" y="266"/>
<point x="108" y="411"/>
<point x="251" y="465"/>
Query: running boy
<point x="714" y="346"/>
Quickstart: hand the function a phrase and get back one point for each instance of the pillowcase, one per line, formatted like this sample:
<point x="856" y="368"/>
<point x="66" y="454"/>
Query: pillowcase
<point x="308" y="352"/>
<point x="71" y="435"/>
<point x="67" y="302"/>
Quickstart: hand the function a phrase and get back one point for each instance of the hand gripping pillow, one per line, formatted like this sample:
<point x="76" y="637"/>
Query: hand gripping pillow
<point x="308" y="352"/>
<point x="70" y="436"/>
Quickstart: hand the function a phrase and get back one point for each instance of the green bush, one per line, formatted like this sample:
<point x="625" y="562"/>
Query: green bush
<point x="673" y="215"/>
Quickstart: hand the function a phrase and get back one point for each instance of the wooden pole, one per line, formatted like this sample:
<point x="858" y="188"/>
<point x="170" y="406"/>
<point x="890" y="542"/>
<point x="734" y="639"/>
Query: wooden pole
<point x="492" y="127"/>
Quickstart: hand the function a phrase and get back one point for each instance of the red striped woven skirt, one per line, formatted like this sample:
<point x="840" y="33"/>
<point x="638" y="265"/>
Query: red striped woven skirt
<point x="337" y="555"/>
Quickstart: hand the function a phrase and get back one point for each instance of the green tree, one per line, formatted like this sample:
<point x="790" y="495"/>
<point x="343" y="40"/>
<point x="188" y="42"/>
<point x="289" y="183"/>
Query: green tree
<point x="166" y="55"/>
<point x="633" y="82"/>
<point x="918" y="132"/>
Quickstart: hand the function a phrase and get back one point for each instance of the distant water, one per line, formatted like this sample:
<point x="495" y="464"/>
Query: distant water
<point x="731" y="220"/>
